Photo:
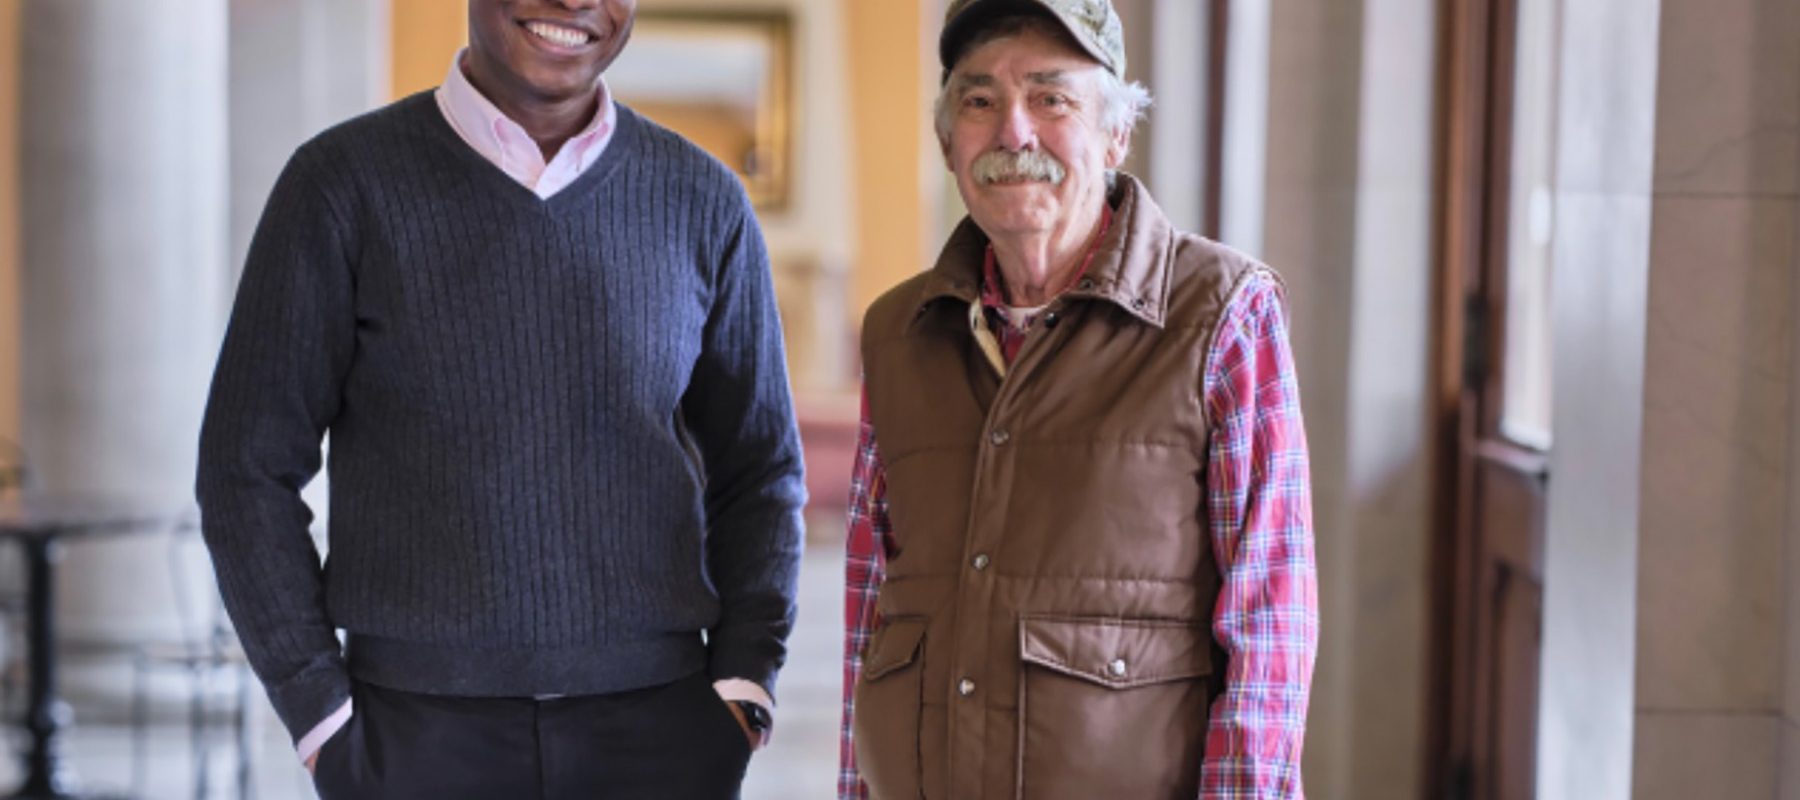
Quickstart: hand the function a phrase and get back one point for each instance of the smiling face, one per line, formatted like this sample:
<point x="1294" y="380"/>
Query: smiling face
<point x="545" y="51"/>
<point x="1025" y="110"/>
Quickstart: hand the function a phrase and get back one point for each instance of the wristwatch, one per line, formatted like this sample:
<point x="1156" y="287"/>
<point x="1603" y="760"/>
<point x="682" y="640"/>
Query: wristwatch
<point x="755" y="716"/>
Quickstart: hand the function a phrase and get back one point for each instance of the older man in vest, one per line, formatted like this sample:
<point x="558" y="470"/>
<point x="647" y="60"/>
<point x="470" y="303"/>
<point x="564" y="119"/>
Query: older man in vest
<point x="1080" y="554"/>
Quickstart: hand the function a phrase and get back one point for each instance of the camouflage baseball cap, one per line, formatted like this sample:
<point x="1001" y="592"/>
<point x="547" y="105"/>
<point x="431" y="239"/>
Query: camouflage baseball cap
<point x="1093" y="24"/>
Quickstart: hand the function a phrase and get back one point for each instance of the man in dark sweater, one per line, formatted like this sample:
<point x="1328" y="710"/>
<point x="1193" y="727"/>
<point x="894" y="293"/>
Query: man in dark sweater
<point x="565" y="476"/>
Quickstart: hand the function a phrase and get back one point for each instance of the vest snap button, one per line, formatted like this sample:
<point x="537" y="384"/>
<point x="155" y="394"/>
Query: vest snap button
<point x="1117" y="668"/>
<point x="999" y="436"/>
<point x="1137" y="302"/>
<point x="981" y="561"/>
<point x="1051" y="319"/>
<point x="966" y="687"/>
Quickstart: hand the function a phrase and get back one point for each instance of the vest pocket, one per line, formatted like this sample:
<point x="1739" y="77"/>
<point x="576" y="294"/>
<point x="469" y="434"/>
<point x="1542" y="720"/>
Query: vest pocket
<point x="1111" y="708"/>
<point x="888" y="702"/>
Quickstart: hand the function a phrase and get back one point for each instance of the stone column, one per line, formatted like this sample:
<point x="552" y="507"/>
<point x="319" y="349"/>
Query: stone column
<point x="1607" y="56"/>
<point x="297" y="68"/>
<point x="1249" y="73"/>
<point x="1174" y="141"/>
<point x="123" y="151"/>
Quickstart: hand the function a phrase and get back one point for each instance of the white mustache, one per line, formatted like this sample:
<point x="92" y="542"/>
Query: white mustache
<point x="1006" y="166"/>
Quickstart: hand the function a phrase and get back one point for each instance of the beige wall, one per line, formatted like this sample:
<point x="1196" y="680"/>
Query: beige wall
<point x="1713" y="577"/>
<point x="890" y="129"/>
<point x="426" y="34"/>
<point x="9" y="219"/>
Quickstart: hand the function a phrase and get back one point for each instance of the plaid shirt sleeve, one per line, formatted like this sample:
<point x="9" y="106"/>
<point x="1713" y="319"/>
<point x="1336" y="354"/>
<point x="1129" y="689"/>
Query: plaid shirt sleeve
<point x="865" y="567"/>
<point x="1260" y="514"/>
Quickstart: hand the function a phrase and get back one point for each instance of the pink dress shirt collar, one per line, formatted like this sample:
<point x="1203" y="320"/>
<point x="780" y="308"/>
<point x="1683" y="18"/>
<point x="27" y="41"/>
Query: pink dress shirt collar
<point x="505" y="143"/>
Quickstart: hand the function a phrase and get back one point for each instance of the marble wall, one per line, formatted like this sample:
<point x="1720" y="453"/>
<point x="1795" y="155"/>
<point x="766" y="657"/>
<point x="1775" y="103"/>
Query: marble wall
<point x="1714" y="692"/>
<point x="1346" y="196"/>
<point x="1669" y="669"/>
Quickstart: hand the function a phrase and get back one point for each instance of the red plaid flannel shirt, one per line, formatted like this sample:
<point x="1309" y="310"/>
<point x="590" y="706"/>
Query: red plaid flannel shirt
<point x="1259" y="512"/>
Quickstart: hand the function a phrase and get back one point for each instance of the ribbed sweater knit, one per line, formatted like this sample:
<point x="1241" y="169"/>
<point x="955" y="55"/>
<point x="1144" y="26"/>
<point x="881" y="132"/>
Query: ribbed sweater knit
<point x="562" y="451"/>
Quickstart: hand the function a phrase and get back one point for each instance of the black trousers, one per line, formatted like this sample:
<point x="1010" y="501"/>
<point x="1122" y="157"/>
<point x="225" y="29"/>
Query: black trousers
<point x="678" y="741"/>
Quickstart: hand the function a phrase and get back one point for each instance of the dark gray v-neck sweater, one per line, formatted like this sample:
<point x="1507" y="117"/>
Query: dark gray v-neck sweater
<point x="561" y="441"/>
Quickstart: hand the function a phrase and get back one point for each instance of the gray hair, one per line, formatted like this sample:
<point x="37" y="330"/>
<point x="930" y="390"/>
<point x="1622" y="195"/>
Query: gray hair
<point x="1122" y="103"/>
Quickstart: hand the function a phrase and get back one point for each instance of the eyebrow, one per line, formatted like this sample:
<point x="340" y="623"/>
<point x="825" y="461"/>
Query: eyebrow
<point x="1052" y="77"/>
<point x="967" y="82"/>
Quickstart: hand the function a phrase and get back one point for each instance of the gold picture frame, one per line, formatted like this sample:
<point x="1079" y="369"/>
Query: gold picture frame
<point x="723" y="79"/>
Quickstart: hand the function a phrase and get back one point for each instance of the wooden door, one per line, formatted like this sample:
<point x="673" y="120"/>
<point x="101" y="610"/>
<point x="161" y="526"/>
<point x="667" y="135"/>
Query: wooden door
<point x="1493" y="421"/>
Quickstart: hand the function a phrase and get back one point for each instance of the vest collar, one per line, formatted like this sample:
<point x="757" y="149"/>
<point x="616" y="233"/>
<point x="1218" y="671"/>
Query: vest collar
<point x="1130" y="268"/>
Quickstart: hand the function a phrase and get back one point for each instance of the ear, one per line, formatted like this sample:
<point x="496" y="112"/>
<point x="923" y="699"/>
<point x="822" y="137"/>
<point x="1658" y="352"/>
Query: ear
<point x="1118" y="145"/>
<point x="944" y="147"/>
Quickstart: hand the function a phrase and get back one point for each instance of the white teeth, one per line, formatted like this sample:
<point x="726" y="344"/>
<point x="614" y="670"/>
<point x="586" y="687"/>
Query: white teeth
<point x="557" y="34"/>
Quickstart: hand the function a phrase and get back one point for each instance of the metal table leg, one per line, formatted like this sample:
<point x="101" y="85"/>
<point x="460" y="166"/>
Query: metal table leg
<point x="47" y="777"/>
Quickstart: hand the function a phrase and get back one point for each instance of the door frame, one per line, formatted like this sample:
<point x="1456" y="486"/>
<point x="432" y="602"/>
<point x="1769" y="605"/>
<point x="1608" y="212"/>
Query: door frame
<point x="1472" y="167"/>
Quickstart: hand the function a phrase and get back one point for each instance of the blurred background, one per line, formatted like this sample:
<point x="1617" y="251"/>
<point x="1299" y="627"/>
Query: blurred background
<point x="1540" y="256"/>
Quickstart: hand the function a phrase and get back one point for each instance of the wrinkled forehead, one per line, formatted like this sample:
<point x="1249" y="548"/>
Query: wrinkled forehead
<point x="1027" y="58"/>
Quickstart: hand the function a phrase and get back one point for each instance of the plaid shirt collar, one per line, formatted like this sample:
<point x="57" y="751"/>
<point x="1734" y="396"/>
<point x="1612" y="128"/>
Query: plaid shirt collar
<point x="993" y="291"/>
<point x="1129" y="267"/>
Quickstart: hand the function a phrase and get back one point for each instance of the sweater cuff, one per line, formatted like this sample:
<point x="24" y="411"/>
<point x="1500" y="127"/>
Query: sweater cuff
<point x="309" y="698"/>
<point x="750" y="661"/>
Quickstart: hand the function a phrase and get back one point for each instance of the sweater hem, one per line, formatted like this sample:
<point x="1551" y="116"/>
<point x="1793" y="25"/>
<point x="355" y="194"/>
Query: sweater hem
<point x="524" y="671"/>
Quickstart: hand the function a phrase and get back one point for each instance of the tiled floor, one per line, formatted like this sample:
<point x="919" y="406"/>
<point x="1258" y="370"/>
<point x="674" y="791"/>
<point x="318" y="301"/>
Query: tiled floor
<point x="800" y="765"/>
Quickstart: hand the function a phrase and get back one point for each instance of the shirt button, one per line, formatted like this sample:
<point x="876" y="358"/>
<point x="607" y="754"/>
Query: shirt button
<point x="966" y="687"/>
<point x="1117" y="668"/>
<point x="981" y="561"/>
<point x="999" y="436"/>
<point x="1086" y="284"/>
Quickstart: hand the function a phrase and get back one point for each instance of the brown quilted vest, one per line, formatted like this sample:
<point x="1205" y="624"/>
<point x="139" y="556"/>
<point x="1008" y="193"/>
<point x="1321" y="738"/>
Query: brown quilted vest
<point x="1046" y="613"/>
